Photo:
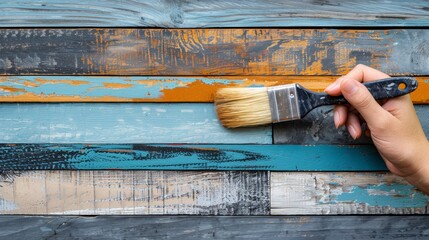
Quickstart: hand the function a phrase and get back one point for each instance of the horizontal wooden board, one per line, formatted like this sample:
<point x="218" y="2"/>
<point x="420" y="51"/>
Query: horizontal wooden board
<point x="344" y="193"/>
<point x="120" y="123"/>
<point x="152" y="89"/>
<point x="190" y="52"/>
<point x="197" y="227"/>
<point x="135" y="192"/>
<point x="318" y="128"/>
<point x="210" y="13"/>
<point x="189" y="157"/>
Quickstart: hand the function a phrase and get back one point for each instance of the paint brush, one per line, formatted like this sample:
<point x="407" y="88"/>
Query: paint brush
<point x="242" y="107"/>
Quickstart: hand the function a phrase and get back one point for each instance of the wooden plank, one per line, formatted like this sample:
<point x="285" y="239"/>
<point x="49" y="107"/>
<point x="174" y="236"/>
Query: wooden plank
<point x="318" y="128"/>
<point x="190" y="52"/>
<point x="135" y="192"/>
<point x="152" y="89"/>
<point x="209" y="13"/>
<point x="196" y="227"/>
<point x="344" y="193"/>
<point x="120" y="123"/>
<point x="189" y="157"/>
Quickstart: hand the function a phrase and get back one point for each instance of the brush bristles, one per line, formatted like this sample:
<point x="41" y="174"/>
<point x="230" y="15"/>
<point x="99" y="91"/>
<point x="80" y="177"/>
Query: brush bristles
<point x="241" y="107"/>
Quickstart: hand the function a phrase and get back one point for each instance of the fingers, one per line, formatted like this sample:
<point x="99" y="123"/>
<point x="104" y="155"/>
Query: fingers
<point x="353" y="125"/>
<point x="359" y="98"/>
<point x="360" y="73"/>
<point x="364" y="73"/>
<point x="340" y="115"/>
<point x="362" y="100"/>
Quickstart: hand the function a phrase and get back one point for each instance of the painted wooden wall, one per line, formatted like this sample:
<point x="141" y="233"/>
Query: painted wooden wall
<point x="98" y="117"/>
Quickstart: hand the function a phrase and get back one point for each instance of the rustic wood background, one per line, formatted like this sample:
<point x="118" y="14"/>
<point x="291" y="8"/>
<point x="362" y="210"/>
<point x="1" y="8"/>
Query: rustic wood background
<point x="106" y="109"/>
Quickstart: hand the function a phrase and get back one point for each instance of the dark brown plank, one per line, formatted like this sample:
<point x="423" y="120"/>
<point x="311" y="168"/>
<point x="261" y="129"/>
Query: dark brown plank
<point x="211" y="51"/>
<point x="318" y="128"/>
<point x="174" y="227"/>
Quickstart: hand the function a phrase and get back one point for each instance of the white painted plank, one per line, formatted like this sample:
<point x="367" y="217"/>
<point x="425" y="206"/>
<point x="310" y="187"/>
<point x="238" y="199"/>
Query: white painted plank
<point x="135" y="192"/>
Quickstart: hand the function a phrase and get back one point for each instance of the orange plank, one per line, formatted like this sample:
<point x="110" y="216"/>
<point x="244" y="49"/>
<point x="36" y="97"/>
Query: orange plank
<point x="152" y="89"/>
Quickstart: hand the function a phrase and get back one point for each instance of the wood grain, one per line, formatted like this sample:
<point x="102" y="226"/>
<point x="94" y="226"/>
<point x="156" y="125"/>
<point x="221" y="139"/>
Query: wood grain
<point x="135" y="192"/>
<point x="152" y="89"/>
<point x="344" y="193"/>
<point x="197" y="227"/>
<point x="120" y="123"/>
<point x="189" y="157"/>
<point x="191" y="52"/>
<point x="210" y="13"/>
<point x="318" y="128"/>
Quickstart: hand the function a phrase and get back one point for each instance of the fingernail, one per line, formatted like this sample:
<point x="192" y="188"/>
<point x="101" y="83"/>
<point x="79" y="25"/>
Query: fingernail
<point x="350" y="86"/>
<point x="336" y="119"/>
<point x="331" y="87"/>
<point x="352" y="131"/>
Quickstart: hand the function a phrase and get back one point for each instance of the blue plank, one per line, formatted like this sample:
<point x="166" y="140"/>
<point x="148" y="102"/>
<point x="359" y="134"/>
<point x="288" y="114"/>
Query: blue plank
<point x="120" y="123"/>
<point x="209" y="13"/>
<point x="189" y="157"/>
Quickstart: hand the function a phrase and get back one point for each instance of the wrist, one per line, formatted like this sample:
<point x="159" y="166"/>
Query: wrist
<point x="420" y="178"/>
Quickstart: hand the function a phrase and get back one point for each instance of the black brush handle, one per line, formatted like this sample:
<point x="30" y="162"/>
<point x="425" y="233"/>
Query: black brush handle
<point x="381" y="89"/>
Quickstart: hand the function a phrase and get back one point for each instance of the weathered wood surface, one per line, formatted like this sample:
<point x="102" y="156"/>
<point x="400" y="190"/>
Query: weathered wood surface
<point x="152" y="89"/>
<point x="211" y="13"/>
<point x="120" y="123"/>
<point x="344" y="193"/>
<point x="190" y="157"/>
<point x="318" y="128"/>
<point x="193" y="227"/>
<point x="193" y="52"/>
<point x="208" y="193"/>
<point x="135" y="192"/>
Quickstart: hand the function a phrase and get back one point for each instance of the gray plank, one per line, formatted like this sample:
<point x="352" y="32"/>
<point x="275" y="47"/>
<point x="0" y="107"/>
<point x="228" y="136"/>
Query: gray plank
<point x="174" y="227"/>
<point x="212" y="13"/>
<point x="318" y="128"/>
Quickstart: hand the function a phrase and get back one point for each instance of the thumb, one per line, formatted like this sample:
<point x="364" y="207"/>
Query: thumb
<point x="362" y="100"/>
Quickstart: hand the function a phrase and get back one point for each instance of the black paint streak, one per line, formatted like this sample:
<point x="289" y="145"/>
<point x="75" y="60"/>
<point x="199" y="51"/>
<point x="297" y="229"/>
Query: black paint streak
<point x="8" y="175"/>
<point x="34" y="157"/>
<point x="362" y="57"/>
<point x="43" y="51"/>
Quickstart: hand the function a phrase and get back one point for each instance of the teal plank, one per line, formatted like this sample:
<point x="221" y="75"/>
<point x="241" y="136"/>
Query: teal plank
<point x="189" y="157"/>
<point x="120" y="123"/>
<point x="380" y="195"/>
<point x="209" y="13"/>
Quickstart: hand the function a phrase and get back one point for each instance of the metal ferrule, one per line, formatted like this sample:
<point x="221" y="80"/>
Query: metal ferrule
<point x="283" y="103"/>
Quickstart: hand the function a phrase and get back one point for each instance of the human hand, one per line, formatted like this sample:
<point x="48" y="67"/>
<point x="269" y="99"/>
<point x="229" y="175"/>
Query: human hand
<point x="393" y="126"/>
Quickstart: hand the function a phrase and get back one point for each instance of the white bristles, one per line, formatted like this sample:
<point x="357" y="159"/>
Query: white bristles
<point x="240" y="107"/>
